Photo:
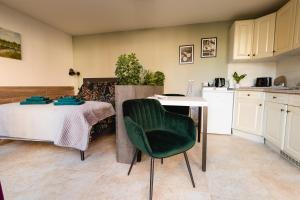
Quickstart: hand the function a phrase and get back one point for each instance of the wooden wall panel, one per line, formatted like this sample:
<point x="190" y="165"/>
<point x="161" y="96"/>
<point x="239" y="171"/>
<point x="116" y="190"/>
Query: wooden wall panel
<point x="16" y="94"/>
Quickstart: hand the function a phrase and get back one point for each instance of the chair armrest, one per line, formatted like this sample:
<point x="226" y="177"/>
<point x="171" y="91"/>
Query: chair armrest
<point x="137" y="135"/>
<point x="183" y="125"/>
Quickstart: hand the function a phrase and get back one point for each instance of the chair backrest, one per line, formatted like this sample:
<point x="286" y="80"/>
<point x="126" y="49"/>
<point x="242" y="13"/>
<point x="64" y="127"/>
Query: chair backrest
<point x="148" y="113"/>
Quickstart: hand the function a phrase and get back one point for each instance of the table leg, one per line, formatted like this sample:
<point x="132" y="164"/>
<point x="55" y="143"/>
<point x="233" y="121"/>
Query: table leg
<point x="204" y="139"/>
<point x="199" y="123"/>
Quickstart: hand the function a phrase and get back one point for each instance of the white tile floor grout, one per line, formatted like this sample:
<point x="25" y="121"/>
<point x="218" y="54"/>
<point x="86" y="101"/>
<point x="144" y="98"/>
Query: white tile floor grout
<point x="237" y="169"/>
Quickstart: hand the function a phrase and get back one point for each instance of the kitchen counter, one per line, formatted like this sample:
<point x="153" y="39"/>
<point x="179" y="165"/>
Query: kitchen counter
<point x="270" y="90"/>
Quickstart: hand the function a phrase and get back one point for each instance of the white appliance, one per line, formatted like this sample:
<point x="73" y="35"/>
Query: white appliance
<point x="220" y="109"/>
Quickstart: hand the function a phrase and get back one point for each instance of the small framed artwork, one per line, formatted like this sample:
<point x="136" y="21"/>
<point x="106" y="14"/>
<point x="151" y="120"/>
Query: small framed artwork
<point x="209" y="47"/>
<point x="10" y="44"/>
<point x="186" y="54"/>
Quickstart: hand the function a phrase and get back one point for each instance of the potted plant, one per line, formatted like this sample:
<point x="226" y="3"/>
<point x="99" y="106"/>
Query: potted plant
<point x="133" y="82"/>
<point x="157" y="78"/>
<point x="238" y="78"/>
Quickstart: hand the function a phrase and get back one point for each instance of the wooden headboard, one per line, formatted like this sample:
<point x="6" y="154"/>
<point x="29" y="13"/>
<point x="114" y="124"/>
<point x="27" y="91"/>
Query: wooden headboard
<point x="99" y="80"/>
<point x="16" y="93"/>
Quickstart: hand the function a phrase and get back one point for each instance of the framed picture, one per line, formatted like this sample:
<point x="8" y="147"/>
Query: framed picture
<point x="208" y="47"/>
<point x="186" y="54"/>
<point x="10" y="44"/>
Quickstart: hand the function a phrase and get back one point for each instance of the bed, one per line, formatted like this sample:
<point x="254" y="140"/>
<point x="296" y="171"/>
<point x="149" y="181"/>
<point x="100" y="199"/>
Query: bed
<point x="66" y="126"/>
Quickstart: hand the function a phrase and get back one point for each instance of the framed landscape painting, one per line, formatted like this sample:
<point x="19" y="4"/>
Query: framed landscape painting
<point x="208" y="47"/>
<point x="10" y="44"/>
<point x="186" y="54"/>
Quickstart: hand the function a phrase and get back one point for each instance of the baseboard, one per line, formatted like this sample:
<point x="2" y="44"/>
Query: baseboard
<point x="248" y="136"/>
<point x="290" y="159"/>
<point x="272" y="146"/>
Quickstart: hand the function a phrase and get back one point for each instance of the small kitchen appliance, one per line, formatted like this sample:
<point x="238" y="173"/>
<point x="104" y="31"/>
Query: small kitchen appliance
<point x="219" y="82"/>
<point x="263" y="82"/>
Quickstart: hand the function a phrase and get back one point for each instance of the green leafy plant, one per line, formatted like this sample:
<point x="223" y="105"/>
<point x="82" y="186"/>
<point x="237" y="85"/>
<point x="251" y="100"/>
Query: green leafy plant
<point x="148" y="78"/>
<point x="156" y="79"/>
<point x="238" y="78"/>
<point x="159" y="78"/>
<point x="128" y="70"/>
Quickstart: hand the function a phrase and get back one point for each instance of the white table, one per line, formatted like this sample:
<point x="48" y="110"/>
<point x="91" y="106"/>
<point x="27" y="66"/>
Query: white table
<point x="202" y="116"/>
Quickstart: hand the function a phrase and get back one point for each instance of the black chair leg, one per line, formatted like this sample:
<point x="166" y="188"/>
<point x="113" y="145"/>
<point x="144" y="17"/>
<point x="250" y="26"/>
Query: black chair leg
<point x="82" y="155"/>
<point x="151" y="178"/>
<point x="133" y="159"/>
<point x="189" y="168"/>
<point x="139" y="156"/>
<point x="162" y="161"/>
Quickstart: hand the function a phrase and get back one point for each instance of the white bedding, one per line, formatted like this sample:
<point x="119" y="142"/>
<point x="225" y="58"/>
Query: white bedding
<point x="66" y="126"/>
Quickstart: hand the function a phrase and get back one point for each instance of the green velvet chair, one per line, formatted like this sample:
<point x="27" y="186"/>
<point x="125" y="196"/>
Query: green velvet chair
<point x="157" y="132"/>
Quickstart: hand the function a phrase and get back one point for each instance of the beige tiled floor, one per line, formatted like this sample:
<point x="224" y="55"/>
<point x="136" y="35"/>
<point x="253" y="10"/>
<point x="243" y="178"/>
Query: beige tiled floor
<point x="237" y="169"/>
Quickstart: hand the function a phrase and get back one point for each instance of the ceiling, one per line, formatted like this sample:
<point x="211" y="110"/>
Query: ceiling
<point x="78" y="17"/>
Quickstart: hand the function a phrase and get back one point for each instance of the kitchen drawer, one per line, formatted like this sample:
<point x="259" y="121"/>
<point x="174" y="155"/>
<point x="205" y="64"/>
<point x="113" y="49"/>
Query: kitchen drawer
<point x="277" y="98"/>
<point x="294" y="100"/>
<point x="250" y="95"/>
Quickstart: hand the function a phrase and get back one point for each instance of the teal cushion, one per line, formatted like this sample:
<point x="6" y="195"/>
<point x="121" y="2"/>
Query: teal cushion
<point x="165" y="143"/>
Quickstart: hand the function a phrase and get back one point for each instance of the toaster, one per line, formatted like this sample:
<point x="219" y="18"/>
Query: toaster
<point x="263" y="82"/>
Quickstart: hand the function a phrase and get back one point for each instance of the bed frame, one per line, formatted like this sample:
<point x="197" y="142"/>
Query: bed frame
<point x="13" y="94"/>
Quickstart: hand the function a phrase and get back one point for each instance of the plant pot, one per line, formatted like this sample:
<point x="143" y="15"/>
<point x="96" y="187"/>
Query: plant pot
<point x="237" y="85"/>
<point x="125" y="150"/>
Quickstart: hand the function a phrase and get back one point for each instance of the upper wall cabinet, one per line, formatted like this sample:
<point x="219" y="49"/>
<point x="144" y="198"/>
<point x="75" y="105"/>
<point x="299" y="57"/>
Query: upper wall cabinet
<point x="285" y="26"/>
<point x="263" y="39"/>
<point x="297" y="27"/>
<point x="252" y="39"/>
<point x="241" y="36"/>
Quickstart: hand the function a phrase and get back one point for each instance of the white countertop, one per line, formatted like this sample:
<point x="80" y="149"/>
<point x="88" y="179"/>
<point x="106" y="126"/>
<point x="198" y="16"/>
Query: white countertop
<point x="182" y="101"/>
<point x="269" y="89"/>
<point x="217" y="89"/>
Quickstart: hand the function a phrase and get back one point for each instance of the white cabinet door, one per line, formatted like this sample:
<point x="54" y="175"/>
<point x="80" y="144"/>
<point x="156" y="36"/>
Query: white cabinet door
<point x="248" y="115"/>
<point x="285" y="26"/>
<point x="292" y="137"/>
<point x="297" y="27"/>
<point x="243" y="36"/>
<point x="274" y="123"/>
<point x="263" y="40"/>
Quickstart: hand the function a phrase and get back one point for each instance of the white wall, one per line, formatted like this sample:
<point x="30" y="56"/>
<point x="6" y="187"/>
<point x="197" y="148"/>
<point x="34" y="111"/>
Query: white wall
<point x="46" y="53"/>
<point x="290" y="68"/>
<point x="157" y="49"/>
<point x="253" y="70"/>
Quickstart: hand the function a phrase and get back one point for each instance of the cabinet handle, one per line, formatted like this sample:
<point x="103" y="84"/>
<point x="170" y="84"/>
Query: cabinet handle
<point x="274" y="51"/>
<point x="248" y="54"/>
<point x="260" y="104"/>
<point x="282" y="110"/>
<point x="288" y="111"/>
<point x="274" y="97"/>
<point x="248" y="95"/>
<point x="254" y="54"/>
